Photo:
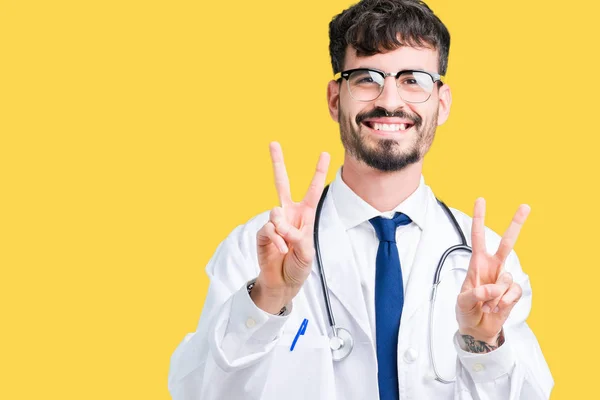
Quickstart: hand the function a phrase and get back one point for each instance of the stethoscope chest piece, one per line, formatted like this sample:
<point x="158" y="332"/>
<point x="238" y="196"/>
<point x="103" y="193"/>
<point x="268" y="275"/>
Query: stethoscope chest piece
<point x="341" y="344"/>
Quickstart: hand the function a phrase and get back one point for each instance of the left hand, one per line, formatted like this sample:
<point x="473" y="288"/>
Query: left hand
<point x="488" y="293"/>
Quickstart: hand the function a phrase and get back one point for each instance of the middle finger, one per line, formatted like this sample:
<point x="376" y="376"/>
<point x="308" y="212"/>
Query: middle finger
<point x="318" y="182"/>
<point x="512" y="233"/>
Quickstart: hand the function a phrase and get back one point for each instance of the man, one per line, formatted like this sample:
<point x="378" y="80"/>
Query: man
<point x="265" y="331"/>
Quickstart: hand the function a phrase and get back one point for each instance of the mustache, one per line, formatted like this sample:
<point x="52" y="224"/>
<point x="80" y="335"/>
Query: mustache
<point x="379" y="112"/>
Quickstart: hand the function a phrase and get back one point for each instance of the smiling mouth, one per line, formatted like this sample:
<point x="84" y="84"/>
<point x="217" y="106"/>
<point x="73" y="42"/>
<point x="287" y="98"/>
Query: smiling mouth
<point x="376" y="126"/>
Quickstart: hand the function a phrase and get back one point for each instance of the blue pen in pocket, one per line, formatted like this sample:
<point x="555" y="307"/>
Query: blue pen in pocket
<point x="301" y="331"/>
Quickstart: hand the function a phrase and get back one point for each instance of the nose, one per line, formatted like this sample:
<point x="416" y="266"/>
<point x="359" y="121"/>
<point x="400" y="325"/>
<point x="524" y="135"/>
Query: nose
<point x="390" y="99"/>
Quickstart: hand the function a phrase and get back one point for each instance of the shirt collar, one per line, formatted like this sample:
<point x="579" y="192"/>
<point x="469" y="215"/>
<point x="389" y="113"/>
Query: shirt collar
<point x="353" y="210"/>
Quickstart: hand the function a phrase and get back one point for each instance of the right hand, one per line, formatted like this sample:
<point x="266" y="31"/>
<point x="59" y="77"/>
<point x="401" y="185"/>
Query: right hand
<point x="285" y="243"/>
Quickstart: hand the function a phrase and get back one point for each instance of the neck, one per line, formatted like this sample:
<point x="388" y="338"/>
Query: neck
<point x="382" y="190"/>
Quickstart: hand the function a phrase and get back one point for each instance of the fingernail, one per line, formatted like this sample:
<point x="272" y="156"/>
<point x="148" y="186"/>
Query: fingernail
<point x="276" y="220"/>
<point x="496" y="310"/>
<point x="486" y="308"/>
<point x="284" y="249"/>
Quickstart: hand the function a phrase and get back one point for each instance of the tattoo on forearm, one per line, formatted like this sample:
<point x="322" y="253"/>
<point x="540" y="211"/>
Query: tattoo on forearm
<point x="478" y="346"/>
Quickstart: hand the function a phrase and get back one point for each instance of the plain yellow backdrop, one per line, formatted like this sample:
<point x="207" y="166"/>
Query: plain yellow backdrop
<point x="134" y="138"/>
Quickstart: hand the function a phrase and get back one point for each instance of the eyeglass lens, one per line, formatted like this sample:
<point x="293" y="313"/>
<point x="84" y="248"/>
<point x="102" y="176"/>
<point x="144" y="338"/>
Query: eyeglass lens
<point x="413" y="86"/>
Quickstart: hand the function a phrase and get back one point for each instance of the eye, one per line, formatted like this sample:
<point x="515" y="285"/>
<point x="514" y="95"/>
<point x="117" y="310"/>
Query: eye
<point x="366" y="79"/>
<point x="409" y="81"/>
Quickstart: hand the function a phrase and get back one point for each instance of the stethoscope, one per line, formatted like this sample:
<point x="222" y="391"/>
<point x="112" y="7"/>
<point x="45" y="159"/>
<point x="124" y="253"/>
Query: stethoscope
<point x="341" y="342"/>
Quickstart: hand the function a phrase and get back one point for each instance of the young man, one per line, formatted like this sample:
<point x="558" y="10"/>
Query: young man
<point x="266" y="331"/>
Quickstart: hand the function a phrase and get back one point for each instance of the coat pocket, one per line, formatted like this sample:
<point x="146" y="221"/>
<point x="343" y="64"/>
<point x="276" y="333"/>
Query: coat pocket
<point x="304" y="373"/>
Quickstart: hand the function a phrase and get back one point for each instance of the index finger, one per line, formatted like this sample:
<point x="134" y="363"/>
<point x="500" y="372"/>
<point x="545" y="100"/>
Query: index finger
<point x="478" y="228"/>
<point x="282" y="183"/>
<point x="317" y="184"/>
<point x="512" y="233"/>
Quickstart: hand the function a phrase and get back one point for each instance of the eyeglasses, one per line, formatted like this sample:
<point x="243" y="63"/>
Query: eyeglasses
<point x="366" y="84"/>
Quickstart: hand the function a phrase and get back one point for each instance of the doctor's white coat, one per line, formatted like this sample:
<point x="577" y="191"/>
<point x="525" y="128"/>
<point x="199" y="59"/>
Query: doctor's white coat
<point x="240" y="352"/>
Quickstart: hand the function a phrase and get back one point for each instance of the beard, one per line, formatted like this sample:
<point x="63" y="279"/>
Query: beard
<point x="386" y="154"/>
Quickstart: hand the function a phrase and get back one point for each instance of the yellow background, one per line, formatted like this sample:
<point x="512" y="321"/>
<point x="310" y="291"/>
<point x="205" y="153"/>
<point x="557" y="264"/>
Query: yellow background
<point x="134" y="138"/>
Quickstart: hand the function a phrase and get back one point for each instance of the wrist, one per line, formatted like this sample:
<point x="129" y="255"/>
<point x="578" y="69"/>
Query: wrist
<point x="273" y="302"/>
<point x="475" y="343"/>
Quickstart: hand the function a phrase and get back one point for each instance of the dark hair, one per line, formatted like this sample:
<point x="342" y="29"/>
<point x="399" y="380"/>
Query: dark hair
<point x="375" y="26"/>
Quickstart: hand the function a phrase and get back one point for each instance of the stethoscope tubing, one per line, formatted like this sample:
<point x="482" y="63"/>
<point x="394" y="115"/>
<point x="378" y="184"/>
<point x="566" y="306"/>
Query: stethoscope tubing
<point x="463" y="246"/>
<point x="320" y="261"/>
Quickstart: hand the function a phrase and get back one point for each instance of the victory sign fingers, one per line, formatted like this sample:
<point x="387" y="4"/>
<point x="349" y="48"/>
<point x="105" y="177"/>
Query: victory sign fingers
<point x="489" y="293"/>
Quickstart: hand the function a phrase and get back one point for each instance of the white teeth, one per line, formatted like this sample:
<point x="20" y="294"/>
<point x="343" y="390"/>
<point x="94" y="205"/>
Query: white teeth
<point x="389" y="127"/>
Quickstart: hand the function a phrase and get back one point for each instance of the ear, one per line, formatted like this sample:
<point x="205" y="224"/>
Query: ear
<point x="333" y="99"/>
<point x="445" y="99"/>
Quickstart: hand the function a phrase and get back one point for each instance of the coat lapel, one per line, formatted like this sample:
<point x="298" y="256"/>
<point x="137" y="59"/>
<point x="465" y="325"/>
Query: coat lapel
<point x="438" y="234"/>
<point x="340" y="268"/>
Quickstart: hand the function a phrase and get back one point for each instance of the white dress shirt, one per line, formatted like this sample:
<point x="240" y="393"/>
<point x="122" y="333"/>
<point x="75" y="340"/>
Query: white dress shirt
<point x="355" y="214"/>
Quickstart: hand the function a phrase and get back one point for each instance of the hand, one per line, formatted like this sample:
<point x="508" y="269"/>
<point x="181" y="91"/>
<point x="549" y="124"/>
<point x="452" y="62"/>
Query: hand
<point x="285" y="243"/>
<point x="488" y="293"/>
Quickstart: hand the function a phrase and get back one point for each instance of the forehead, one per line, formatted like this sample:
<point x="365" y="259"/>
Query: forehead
<point x="403" y="57"/>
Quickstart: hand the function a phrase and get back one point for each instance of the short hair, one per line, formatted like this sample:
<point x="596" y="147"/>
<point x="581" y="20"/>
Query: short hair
<point x="376" y="26"/>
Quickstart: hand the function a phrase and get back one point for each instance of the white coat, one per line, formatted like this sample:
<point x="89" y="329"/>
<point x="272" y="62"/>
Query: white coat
<point x="253" y="360"/>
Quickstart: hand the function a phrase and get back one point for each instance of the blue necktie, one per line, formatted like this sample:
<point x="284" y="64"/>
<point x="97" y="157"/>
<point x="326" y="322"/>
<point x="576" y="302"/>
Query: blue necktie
<point x="389" y="299"/>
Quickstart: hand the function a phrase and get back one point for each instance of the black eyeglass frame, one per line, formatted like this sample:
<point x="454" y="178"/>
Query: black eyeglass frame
<point x="346" y="75"/>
